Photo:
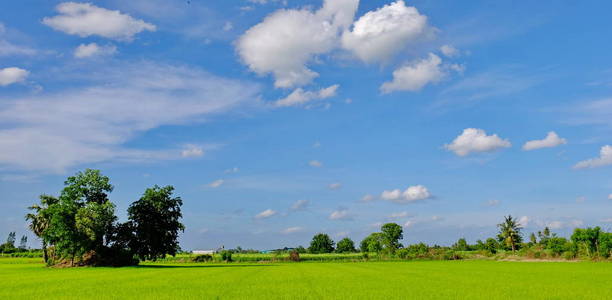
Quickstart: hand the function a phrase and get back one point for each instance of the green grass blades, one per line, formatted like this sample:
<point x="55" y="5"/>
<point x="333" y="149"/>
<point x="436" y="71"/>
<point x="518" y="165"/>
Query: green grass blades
<point x="22" y="278"/>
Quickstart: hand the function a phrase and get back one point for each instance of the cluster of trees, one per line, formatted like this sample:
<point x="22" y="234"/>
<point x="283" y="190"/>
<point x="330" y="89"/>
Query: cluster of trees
<point x="9" y="246"/>
<point x="584" y="242"/>
<point x="386" y="240"/>
<point x="80" y="225"/>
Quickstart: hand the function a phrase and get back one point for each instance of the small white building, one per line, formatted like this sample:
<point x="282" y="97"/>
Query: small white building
<point x="201" y="252"/>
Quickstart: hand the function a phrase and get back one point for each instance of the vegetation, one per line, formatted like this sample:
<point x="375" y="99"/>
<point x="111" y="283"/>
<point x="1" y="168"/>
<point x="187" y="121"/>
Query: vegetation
<point x="80" y="225"/>
<point x="477" y="279"/>
<point x="321" y="243"/>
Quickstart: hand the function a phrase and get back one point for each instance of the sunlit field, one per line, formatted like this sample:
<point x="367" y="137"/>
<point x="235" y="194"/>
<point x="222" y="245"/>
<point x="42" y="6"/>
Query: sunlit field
<point x="23" y="278"/>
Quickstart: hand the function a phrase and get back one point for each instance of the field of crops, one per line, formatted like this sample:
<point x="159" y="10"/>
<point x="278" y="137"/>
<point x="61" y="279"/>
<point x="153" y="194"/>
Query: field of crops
<point x="26" y="278"/>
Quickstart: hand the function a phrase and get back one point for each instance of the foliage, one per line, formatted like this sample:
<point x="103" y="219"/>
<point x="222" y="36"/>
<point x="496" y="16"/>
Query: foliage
<point x="294" y="256"/>
<point x="461" y="245"/>
<point x="80" y="225"/>
<point x="391" y="234"/>
<point x="510" y="232"/>
<point x="226" y="255"/>
<point x="202" y="258"/>
<point x="155" y="219"/>
<point x="345" y="245"/>
<point x="321" y="243"/>
<point x="372" y="243"/>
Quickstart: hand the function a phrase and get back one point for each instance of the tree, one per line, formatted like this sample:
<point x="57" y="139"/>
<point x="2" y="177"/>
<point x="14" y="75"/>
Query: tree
<point x="40" y="219"/>
<point x="532" y="239"/>
<point x="392" y="233"/>
<point x="510" y="232"/>
<point x="461" y="245"/>
<point x="372" y="243"/>
<point x="82" y="217"/>
<point x="491" y="245"/>
<point x="321" y="243"/>
<point x="155" y="221"/>
<point x="23" y="243"/>
<point x="587" y="239"/>
<point x="345" y="245"/>
<point x="10" y="240"/>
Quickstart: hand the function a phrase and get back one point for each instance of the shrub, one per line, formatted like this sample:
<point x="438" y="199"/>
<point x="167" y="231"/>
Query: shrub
<point x="202" y="258"/>
<point x="226" y="255"/>
<point x="294" y="256"/>
<point x="569" y="254"/>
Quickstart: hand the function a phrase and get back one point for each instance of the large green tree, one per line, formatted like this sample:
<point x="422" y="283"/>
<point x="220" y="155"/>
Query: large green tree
<point x="510" y="232"/>
<point x="321" y="243"/>
<point x="345" y="245"/>
<point x="155" y="221"/>
<point x="372" y="243"/>
<point x="392" y="233"/>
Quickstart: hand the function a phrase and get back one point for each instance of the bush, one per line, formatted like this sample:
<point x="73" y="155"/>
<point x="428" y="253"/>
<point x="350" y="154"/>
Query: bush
<point x="202" y="258"/>
<point x="294" y="256"/>
<point x="226" y="255"/>
<point x="569" y="254"/>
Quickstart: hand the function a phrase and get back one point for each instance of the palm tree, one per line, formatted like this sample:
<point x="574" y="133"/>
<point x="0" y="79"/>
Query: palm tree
<point x="510" y="232"/>
<point x="39" y="220"/>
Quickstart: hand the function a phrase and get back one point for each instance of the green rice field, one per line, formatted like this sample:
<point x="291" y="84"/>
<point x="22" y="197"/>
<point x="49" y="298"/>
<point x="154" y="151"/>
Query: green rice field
<point x="28" y="278"/>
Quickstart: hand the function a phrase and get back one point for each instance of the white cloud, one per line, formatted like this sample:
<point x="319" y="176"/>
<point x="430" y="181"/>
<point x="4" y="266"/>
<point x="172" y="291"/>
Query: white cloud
<point x="315" y="163"/>
<point x="285" y="41"/>
<point x="341" y="214"/>
<point x="569" y="224"/>
<point x="610" y="197"/>
<point x="551" y="140"/>
<point x="85" y="19"/>
<point x="300" y="205"/>
<point x="12" y="75"/>
<point x="476" y="140"/>
<point x="436" y="218"/>
<point x="300" y="96"/>
<point x="367" y="198"/>
<point x="415" y="75"/>
<point x="581" y="199"/>
<point x="397" y="215"/>
<point x="265" y="214"/>
<point x="524" y="221"/>
<point x="334" y="186"/>
<point x="7" y="48"/>
<point x="93" y="49"/>
<point x="449" y="51"/>
<point x="192" y="151"/>
<point x="91" y="121"/>
<point x="379" y="34"/>
<point x="411" y="194"/>
<point x="391" y="195"/>
<point x="493" y="202"/>
<point x="291" y="230"/>
<point x="217" y="183"/>
<point x="604" y="159"/>
<point x="607" y="220"/>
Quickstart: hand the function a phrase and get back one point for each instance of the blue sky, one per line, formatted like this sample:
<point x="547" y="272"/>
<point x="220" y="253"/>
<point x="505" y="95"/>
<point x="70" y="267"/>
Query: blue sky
<point x="276" y="120"/>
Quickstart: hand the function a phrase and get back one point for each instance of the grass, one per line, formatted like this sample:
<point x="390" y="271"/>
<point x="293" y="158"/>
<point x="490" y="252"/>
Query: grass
<point x="26" y="278"/>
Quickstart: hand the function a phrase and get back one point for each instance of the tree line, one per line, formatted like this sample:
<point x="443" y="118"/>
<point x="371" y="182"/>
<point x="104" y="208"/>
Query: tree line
<point x="584" y="243"/>
<point x="80" y="226"/>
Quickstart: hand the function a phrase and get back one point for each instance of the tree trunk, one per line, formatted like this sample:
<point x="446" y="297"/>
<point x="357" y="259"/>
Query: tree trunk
<point x="44" y="248"/>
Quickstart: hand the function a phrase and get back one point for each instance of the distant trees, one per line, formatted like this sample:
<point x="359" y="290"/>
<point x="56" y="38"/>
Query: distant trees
<point x="345" y="245"/>
<point x="392" y="233"/>
<point x="461" y="245"/>
<point x="372" y="243"/>
<point x="321" y="243"/>
<point x="82" y="221"/>
<point x="510" y="232"/>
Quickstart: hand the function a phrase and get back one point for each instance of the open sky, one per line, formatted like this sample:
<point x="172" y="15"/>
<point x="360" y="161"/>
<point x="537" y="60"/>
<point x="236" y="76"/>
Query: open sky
<point x="275" y="120"/>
